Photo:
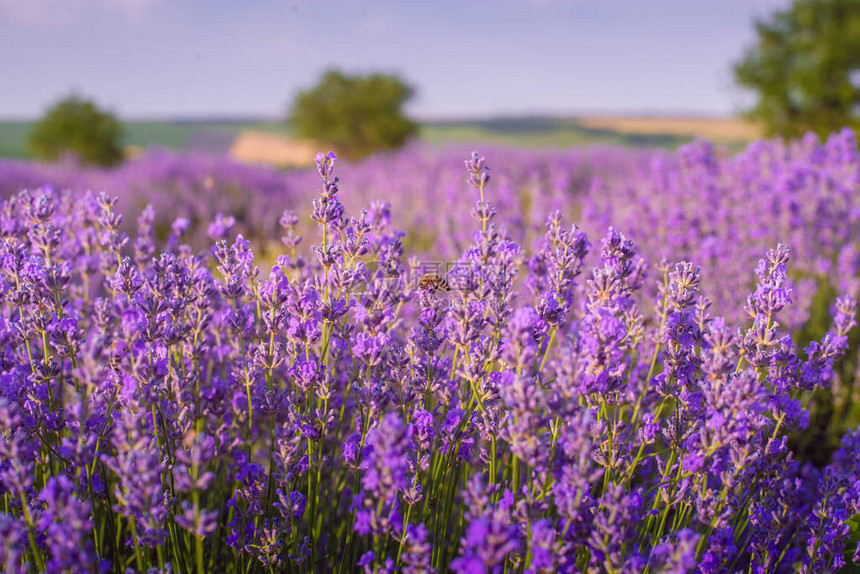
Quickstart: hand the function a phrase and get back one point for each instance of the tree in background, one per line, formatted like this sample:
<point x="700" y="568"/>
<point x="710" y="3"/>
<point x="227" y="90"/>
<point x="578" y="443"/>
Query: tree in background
<point x="77" y="126"/>
<point x="358" y="115"/>
<point x="805" y="68"/>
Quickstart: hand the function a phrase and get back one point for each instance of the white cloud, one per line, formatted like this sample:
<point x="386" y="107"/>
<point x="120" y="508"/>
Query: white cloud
<point x="131" y="7"/>
<point x="51" y="13"/>
<point x="375" y="24"/>
<point x="42" y="12"/>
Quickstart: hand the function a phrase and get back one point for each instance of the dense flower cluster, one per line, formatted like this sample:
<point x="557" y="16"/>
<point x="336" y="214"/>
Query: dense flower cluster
<point x="528" y="184"/>
<point x="563" y="408"/>
<point x="723" y="212"/>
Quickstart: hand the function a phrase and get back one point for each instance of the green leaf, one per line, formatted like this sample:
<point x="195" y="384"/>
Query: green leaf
<point x="851" y="544"/>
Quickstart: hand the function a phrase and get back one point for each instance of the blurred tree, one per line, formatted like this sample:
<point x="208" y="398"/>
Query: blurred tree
<point x="358" y="115"/>
<point x="77" y="126"/>
<point x="805" y="68"/>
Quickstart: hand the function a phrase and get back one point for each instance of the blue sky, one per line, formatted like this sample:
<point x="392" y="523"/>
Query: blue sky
<point x="199" y="58"/>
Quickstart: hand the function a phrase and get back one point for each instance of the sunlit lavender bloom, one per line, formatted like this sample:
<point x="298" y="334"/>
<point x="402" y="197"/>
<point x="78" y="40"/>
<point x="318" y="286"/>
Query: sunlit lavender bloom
<point x="179" y="391"/>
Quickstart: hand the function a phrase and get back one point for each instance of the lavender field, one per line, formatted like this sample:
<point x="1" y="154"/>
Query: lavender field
<point x="593" y="360"/>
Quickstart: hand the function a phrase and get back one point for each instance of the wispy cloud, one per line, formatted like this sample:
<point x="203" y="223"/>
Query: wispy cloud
<point x="375" y="24"/>
<point x="131" y="7"/>
<point x="53" y="13"/>
<point x="42" y="12"/>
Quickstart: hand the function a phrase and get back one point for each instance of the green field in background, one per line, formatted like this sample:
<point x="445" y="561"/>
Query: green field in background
<point x="524" y="132"/>
<point x="169" y="134"/>
<point x="539" y="132"/>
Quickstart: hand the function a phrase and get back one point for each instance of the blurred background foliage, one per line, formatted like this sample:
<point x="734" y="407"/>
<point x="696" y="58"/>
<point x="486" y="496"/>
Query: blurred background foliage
<point x="77" y="126"/>
<point x="805" y="68"/>
<point x="802" y="72"/>
<point x="356" y="114"/>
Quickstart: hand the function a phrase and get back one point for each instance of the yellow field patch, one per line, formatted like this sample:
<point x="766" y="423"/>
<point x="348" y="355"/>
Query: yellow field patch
<point x="273" y="149"/>
<point x="717" y="129"/>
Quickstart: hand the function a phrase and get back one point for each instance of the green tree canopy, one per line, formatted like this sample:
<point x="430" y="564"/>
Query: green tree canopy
<point x="77" y="126"/>
<point x="358" y="115"/>
<point x="805" y="68"/>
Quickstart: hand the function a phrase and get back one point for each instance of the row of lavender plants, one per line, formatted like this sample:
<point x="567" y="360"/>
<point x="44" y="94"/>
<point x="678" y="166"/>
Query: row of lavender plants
<point x="166" y="409"/>
<point x="530" y="184"/>
<point x="699" y="204"/>
<point x="723" y="213"/>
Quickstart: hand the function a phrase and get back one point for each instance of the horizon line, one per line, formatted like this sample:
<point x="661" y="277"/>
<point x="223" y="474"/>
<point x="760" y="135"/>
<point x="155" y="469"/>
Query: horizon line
<point x="252" y="117"/>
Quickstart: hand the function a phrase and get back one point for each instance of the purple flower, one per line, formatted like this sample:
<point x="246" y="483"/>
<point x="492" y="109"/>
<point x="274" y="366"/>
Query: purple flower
<point x="221" y="227"/>
<point x="478" y="171"/>
<point x="167" y="401"/>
